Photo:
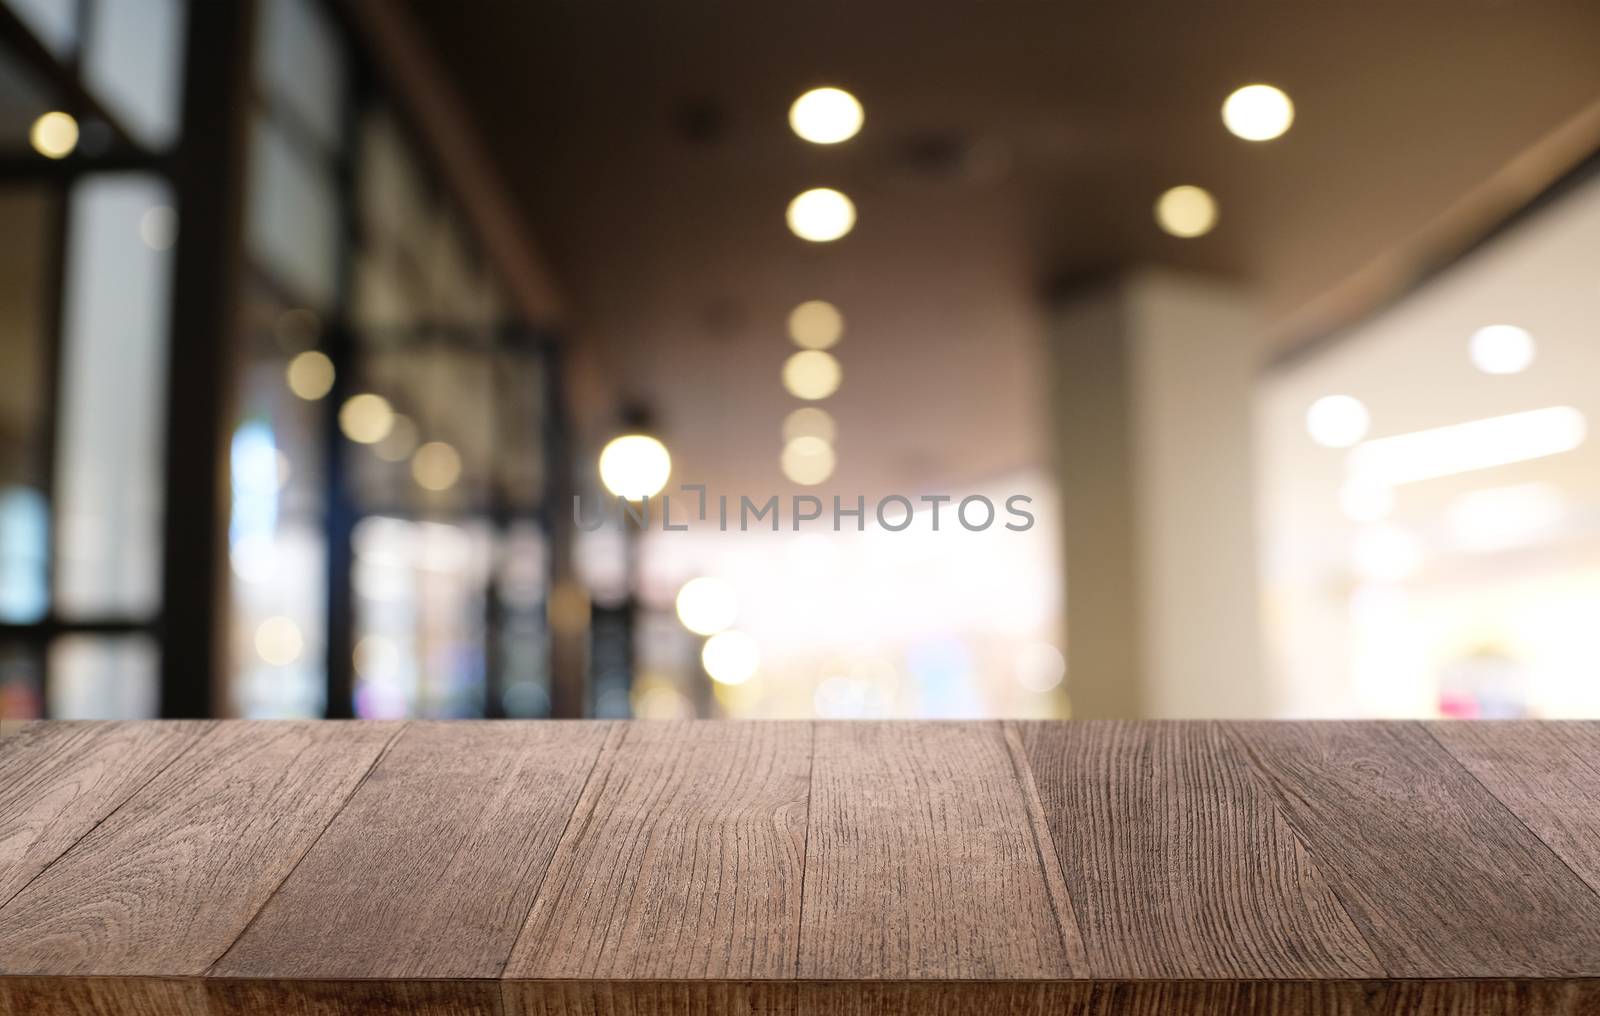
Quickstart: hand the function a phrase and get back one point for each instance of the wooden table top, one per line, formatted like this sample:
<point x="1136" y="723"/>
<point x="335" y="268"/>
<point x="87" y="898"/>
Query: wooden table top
<point x="624" y="869"/>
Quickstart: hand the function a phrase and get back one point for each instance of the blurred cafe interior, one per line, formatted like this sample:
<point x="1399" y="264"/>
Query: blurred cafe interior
<point x="1009" y="359"/>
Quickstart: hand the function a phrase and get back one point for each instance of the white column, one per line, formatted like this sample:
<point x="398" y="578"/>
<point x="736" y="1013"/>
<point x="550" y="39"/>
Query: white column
<point x="1154" y="373"/>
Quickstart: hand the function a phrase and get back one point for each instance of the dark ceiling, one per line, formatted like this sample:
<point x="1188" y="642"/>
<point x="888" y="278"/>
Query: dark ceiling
<point x="1005" y="143"/>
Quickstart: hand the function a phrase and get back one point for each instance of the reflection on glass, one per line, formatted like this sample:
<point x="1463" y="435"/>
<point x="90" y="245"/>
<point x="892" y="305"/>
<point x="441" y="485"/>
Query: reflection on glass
<point x="109" y="454"/>
<point x="103" y="678"/>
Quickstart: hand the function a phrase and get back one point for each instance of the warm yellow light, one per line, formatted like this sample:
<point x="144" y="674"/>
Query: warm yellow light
<point x="1186" y="211"/>
<point x="54" y="135"/>
<point x="1502" y="349"/>
<point x="816" y="324"/>
<point x="658" y="700"/>
<point x="730" y="657"/>
<point x="310" y="375"/>
<point x="707" y="605"/>
<point x="635" y="466"/>
<point x="809" y="421"/>
<point x="826" y="116"/>
<point x="808" y="460"/>
<point x="366" y="418"/>
<point x="278" y="641"/>
<point x="436" y="466"/>
<point x="400" y="442"/>
<point x="821" y="214"/>
<point x="1258" y="112"/>
<point x="812" y="374"/>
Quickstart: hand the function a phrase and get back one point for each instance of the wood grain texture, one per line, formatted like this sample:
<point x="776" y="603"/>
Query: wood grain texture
<point x="650" y="998"/>
<point x="1547" y="774"/>
<point x="1441" y="879"/>
<point x="921" y="860"/>
<point x="103" y="996"/>
<point x="1179" y="865"/>
<point x="60" y="780"/>
<point x="167" y="883"/>
<point x="431" y="868"/>
<point x="285" y="997"/>
<point x="682" y="860"/>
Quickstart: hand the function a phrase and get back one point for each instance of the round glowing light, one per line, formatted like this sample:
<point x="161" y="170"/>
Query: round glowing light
<point x="826" y="116"/>
<point x="1186" y="211"/>
<point x="730" y="657"/>
<point x="1039" y="666"/>
<point x="54" y="135"/>
<point x="366" y="418"/>
<point x="278" y="641"/>
<point x="635" y="466"/>
<point x="158" y="227"/>
<point x="707" y="605"/>
<point x="816" y="324"/>
<point x="436" y="466"/>
<point x="310" y="375"/>
<point x="812" y="374"/>
<point x="821" y="214"/>
<point x="400" y="442"/>
<point x="809" y="421"/>
<point x="1337" y="421"/>
<point x="1501" y="349"/>
<point x="807" y="460"/>
<point x="1258" y="112"/>
<point x="1366" y="500"/>
<point x="376" y="657"/>
<point x="657" y="700"/>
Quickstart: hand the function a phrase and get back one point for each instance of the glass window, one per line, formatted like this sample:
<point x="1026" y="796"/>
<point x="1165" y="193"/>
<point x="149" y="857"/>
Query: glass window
<point x="300" y="65"/>
<point x="293" y="225"/>
<point x="20" y="683"/>
<point x="112" y="424"/>
<point x="133" y="62"/>
<point x="96" y="677"/>
<point x="53" y="22"/>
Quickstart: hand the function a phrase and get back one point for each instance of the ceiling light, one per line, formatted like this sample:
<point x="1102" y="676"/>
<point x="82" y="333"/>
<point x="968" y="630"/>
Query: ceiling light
<point x="807" y="461"/>
<point x="1501" y="349"/>
<point x="1500" y="518"/>
<point x="811" y="374"/>
<point x="821" y="214"/>
<point x="1258" y="112"/>
<point x="1337" y="421"/>
<point x="707" y="605"/>
<point x="635" y="466"/>
<point x="1186" y="211"/>
<point x="1464" y="447"/>
<point x="826" y="116"/>
<point x="54" y="135"/>
<point x="816" y="324"/>
<point x="809" y="421"/>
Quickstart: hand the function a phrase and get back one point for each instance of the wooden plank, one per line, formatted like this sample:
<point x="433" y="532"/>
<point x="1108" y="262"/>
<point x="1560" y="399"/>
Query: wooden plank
<point x="1441" y="879"/>
<point x="921" y="859"/>
<point x="650" y="998"/>
<point x="683" y="860"/>
<point x="1547" y="773"/>
<point x="286" y="997"/>
<point x="103" y="996"/>
<point x="165" y="885"/>
<point x="59" y="780"/>
<point x="430" y="870"/>
<point x="1178" y="864"/>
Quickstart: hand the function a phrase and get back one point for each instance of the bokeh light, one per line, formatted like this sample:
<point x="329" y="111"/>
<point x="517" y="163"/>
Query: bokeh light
<point x="54" y="135"/>
<point x="730" y="657"/>
<point x="821" y="214"/>
<point x="809" y="421"/>
<point x="1258" y="112"/>
<point x="278" y="641"/>
<point x="707" y="605"/>
<point x="366" y="418"/>
<point x="812" y="374"/>
<point x="826" y="116"/>
<point x="1501" y="349"/>
<point x="807" y="460"/>
<point x="436" y="466"/>
<point x="1186" y="211"/>
<point x="816" y="324"/>
<point x="310" y="375"/>
<point x="1337" y="421"/>
<point x="635" y="466"/>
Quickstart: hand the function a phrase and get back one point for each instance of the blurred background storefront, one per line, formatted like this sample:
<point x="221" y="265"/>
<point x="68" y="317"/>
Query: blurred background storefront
<point x="318" y="314"/>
